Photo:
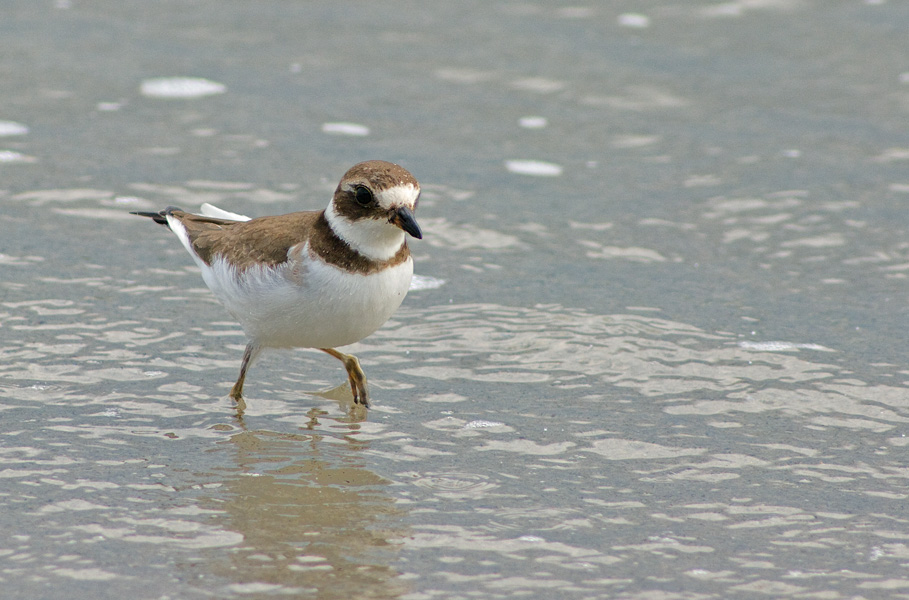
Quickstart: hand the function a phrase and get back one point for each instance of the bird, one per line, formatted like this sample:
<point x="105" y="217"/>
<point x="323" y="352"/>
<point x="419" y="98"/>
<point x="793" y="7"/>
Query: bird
<point x="310" y="279"/>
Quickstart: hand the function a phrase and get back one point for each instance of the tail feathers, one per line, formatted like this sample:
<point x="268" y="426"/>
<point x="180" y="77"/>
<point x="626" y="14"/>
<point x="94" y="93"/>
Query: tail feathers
<point x="157" y="217"/>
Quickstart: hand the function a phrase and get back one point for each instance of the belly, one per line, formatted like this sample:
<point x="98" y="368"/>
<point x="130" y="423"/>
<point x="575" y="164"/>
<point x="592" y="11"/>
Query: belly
<point x="313" y="305"/>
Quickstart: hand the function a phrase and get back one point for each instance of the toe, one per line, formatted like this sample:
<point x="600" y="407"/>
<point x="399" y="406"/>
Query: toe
<point x="364" y="396"/>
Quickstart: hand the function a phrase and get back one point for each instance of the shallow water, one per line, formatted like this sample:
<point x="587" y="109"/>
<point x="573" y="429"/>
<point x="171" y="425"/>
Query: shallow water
<point x="657" y="349"/>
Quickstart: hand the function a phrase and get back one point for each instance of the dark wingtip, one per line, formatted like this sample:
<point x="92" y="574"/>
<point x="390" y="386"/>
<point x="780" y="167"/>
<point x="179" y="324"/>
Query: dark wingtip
<point x="157" y="217"/>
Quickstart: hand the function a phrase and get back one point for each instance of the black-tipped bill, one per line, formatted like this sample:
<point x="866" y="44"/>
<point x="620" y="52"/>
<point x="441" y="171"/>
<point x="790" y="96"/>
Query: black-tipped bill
<point x="403" y="218"/>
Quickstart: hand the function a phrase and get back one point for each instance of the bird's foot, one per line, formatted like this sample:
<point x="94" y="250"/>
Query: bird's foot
<point x="355" y="375"/>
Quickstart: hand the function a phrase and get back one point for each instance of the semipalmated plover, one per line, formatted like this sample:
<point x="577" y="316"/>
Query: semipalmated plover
<point x="312" y="279"/>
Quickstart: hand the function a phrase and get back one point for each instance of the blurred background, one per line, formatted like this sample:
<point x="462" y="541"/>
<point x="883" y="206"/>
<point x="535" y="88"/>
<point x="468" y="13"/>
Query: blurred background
<point x="655" y="349"/>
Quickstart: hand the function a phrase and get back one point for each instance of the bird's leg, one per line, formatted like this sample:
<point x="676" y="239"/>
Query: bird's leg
<point x="249" y="355"/>
<point x="354" y="373"/>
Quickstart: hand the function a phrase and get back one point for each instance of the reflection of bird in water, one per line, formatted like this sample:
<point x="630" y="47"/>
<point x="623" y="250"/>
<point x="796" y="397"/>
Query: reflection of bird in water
<point x="311" y="517"/>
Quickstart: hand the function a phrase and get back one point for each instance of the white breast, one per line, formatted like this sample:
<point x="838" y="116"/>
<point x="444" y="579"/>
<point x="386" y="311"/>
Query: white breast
<point x="306" y="302"/>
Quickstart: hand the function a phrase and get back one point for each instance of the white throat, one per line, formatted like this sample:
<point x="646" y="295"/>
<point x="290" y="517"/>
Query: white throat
<point x="373" y="238"/>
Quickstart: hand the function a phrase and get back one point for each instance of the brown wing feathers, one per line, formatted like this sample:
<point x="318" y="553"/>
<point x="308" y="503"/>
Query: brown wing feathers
<point x="266" y="240"/>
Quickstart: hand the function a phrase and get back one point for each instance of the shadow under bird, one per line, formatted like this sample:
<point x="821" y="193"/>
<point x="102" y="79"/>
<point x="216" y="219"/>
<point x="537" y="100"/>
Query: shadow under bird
<point x="311" y="279"/>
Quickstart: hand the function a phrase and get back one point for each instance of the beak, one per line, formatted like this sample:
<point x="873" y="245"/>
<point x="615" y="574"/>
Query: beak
<point x="403" y="218"/>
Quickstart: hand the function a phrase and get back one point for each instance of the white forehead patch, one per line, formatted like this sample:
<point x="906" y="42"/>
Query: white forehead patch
<point x="403" y="194"/>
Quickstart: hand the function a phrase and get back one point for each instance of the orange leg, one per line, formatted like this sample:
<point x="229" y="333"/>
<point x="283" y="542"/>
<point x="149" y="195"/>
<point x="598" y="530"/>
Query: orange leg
<point x="249" y="355"/>
<point x="354" y="373"/>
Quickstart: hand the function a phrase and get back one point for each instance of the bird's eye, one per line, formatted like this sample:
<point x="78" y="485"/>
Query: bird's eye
<point x="363" y="195"/>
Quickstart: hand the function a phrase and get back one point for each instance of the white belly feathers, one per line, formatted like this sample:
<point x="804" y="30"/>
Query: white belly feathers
<point x="306" y="302"/>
